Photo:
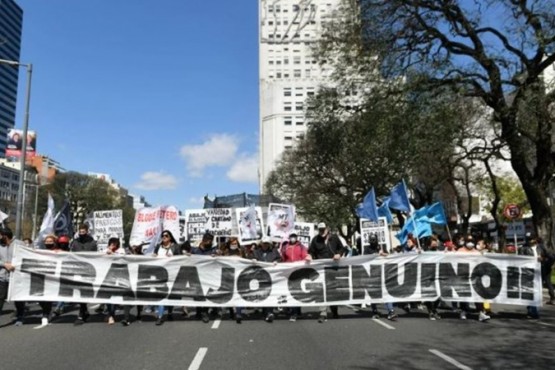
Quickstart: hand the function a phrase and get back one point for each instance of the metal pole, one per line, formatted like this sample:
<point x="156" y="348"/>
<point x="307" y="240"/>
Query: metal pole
<point x="34" y="234"/>
<point x="23" y="157"/>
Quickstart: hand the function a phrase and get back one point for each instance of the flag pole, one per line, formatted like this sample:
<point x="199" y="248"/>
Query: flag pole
<point x="414" y="222"/>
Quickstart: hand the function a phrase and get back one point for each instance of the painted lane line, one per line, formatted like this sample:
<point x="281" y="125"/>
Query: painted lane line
<point x="545" y="324"/>
<point x="451" y="360"/>
<point x="385" y="325"/>
<point x="197" y="361"/>
<point x="216" y="324"/>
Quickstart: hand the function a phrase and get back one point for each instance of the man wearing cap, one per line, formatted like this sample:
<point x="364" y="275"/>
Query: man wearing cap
<point x="7" y="246"/>
<point x="293" y="250"/>
<point x="322" y="246"/>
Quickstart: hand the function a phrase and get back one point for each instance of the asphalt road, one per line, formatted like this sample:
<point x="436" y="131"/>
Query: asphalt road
<point x="354" y="341"/>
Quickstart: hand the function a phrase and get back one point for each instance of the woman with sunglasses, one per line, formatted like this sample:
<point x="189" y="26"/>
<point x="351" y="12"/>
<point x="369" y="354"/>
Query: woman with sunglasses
<point x="167" y="248"/>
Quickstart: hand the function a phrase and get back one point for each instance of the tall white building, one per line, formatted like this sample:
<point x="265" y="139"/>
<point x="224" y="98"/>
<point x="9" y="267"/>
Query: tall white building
<point x="288" y="72"/>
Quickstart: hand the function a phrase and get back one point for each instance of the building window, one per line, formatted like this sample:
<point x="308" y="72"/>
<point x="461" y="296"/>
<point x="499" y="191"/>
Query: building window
<point x="288" y="138"/>
<point x="278" y="75"/>
<point x="307" y="73"/>
<point x="298" y="106"/>
<point x="296" y="60"/>
<point x="288" y="121"/>
<point x="297" y="73"/>
<point x="287" y="91"/>
<point x="299" y="123"/>
<point x="287" y="106"/>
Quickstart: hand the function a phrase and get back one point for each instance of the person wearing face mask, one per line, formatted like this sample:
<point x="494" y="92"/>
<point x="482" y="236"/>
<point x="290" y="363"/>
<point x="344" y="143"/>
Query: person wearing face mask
<point x="7" y="246"/>
<point x="293" y="250"/>
<point x="232" y="248"/>
<point x="83" y="243"/>
<point x="167" y="248"/>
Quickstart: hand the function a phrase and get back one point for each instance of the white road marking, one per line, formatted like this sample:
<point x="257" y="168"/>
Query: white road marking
<point x="451" y="360"/>
<point x="385" y="325"/>
<point x="545" y="324"/>
<point x="197" y="361"/>
<point x="216" y="324"/>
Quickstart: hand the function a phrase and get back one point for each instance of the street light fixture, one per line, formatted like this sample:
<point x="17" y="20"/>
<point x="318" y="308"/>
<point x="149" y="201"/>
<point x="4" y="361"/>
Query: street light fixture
<point x="23" y="156"/>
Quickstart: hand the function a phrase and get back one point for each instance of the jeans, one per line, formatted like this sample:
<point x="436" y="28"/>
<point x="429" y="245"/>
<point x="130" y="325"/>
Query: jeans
<point x="388" y="306"/>
<point x="161" y="309"/>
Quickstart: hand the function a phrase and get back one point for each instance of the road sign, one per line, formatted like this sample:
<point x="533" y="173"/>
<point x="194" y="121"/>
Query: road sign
<point x="511" y="211"/>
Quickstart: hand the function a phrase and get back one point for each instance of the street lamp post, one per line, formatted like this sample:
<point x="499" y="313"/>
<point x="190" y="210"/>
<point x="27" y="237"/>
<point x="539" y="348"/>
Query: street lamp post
<point x="23" y="157"/>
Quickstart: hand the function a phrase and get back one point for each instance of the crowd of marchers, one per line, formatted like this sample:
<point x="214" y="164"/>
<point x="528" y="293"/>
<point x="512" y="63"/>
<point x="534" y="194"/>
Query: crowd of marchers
<point x="325" y="245"/>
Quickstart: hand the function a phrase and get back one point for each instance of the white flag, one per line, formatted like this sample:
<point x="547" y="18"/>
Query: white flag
<point x="47" y="226"/>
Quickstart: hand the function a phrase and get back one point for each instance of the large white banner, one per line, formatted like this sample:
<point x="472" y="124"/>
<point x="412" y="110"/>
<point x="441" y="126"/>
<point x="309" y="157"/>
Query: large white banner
<point x="280" y="220"/>
<point x="149" y="224"/>
<point x="250" y="226"/>
<point x="379" y="230"/>
<point x="106" y="225"/>
<point x="219" y="221"/>
<point x="43" y="275"/>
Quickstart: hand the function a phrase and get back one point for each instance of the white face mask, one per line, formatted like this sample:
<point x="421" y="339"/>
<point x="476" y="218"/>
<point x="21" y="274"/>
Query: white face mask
<point x="292" y="240"/>
<point x="233" y="247"/>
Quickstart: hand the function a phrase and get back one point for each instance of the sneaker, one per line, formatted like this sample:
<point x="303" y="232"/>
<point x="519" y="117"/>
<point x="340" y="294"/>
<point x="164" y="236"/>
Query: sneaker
<point x="322" y="319"/>
<point x="483" y="317"/>
<point x="269" y="318"/>
<point x="18" y="323"/>
<point x="204" y="317"/>
<point x="111" y="320"/>
<point x="159" y="321"/>
<point x="293" y="318"/>
<point x="125" y="323"/>
<point x="44" y="321"/>
<point x="436" y="315"/>
<point x="432" y="316"/>
<point x="375" y="314"/>
<point x="391" y="315"/>
<point x="462" y="315"/>
<point x="79" y="321"/>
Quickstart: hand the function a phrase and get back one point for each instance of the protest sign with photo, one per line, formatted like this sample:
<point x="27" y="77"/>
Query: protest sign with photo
<point x="370" y="230"/>
<point x="249" y="224"/>
<point x="280" y="220"/>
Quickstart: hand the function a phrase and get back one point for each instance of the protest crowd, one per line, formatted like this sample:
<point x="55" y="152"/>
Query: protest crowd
<point x="324" y="245"/>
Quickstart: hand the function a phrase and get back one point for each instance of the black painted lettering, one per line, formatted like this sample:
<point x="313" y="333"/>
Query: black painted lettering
<point x="527" y="284"/>
<point x="367" y="282"/>
<point x="78" y="276"/>
<point x="116" y="283"/>
<point x="187" y="285"/>
<point x="428" y="274"/>
<point x="313" y="292"/>
<point x="495" y="280"/>
<point x="337" y="283"/>
<point x="513" y="282"/>
<point x="451" y="281"/>
<point x="38" y="269"/>
<point x="247" y="276"/>
<point x="225" y="291"/>
<point x="408" y="287"/>
<point x="152" y="283"/>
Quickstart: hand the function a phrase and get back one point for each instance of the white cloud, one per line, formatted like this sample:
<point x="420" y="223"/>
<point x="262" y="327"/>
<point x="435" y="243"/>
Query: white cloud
<point x="245" y="169"/>
<point x="156" y="181"/>
<point x="194" y="200"/>
<point x="218" y="150"/>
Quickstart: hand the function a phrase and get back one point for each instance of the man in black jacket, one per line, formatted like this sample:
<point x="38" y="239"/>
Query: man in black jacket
<point x="326" y="245"/>
<point x="266" y="253"/>
<point x="83" y="243"/>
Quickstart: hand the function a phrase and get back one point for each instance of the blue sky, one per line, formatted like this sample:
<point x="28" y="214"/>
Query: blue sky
<point x="162" y="95"/>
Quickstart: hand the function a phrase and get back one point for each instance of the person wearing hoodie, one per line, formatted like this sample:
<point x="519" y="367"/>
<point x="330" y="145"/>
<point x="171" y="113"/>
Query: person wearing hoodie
<point x="7" y="246"/>
<point x="293" y="250"/>
<point x="83" y="243"/>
